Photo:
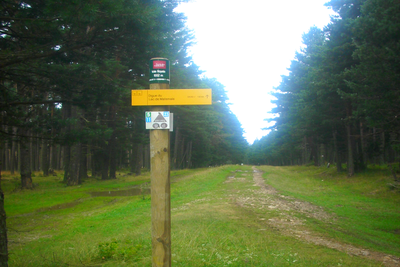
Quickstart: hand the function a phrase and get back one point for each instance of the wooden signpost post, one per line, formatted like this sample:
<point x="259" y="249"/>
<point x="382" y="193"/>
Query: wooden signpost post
<point x="159" y="96"/>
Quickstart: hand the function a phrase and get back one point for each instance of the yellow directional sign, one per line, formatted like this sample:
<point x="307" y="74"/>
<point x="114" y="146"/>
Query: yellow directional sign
<point x="171" y="97"/>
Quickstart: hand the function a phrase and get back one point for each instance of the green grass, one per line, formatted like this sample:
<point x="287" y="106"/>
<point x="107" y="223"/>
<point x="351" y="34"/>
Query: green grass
<point x="209" y="228"/>
<point x="368" y="210"/>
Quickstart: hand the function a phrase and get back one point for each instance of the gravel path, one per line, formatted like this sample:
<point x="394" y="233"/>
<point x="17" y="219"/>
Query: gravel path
<point x="265" y="197"/>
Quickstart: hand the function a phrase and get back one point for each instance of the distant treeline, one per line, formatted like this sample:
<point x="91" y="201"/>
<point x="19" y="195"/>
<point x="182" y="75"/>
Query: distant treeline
<point x="340" y="101"/>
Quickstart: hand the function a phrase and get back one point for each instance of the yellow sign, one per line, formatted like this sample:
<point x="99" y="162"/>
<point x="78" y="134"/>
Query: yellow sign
<point x="171" y="97"/>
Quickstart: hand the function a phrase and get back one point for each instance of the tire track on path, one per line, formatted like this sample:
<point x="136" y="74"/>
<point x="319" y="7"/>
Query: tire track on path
<point x="267" y="198"/>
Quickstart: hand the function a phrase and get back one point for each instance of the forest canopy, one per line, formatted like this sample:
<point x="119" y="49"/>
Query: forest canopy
<point x="340" y="101"/>
<point x="67" y="71"/>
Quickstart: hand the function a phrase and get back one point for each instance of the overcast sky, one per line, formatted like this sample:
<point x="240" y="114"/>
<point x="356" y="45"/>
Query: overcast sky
<point x="247" y="46"/>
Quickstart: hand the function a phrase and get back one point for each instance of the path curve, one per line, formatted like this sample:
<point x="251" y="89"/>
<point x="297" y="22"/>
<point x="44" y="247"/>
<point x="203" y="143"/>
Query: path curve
<point x="270" y="199"/>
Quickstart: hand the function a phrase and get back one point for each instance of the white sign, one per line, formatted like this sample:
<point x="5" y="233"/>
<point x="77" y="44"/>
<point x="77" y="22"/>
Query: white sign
<point x="159" y="120"/>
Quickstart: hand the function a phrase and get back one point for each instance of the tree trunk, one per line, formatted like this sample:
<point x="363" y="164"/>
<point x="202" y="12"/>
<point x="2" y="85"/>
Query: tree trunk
<point x="12" y="156"/>
<point x="53" y="147"/>
<point x="53" y="157"/>
<point x="74" y="172"/>
<point x="96" y="162"/>
<point x="26" y="174"/>
<point x="363" y="152"/>
<point x="66" y="161"/>
<point x="147" y="156"/>
<point x="132" y="159"/>
<point x="139" y="159"/>
<point x="88" y="160"/>
<point x="112" y="143"/>
<point x="374" y="139"/>
<point x="181" y="155"/>
<point x="176" y="145"/>
<point x="382" y="149"/>
<point x="314" y="154"/>
<point x="392" y="151"/>
<point x="36" y="157"/>
<point x="323" y="154"/>
<point x="337" y="153"/>
<point x="304" y="156"/>
<point x="3" y="229"/>
<point x="6" y="161"/>
<point x="350" y="158"/>
<point x="84" y="165"/>
<point x="105" y="163"/>
<point x="74" y="167"/>
<point x="5" y="155"/>
<point x="31" y="154"/>
<point x="45" y="158"/>
<point x="189" y="155"/>
<point x="60" y="157"/>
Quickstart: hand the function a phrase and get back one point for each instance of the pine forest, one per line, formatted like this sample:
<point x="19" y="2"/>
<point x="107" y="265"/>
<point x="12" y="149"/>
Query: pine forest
<point x="67" y="69"/>
<point x="339" y="104"/>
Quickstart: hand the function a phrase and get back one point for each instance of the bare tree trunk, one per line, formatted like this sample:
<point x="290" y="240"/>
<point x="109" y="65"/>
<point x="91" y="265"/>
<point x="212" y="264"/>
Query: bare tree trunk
<point x="96" y="162"/>
<point x="75" y="158"/>
<point x="13" y="149"/>
<point x="60" y="161"/>
<point x="74" y="168"/>
<point x="105" y="162"/>
<point x="139" y="159"/>
<point x="324" y="155"/>
<point x="3" y="229"/>
<point x="53" y="157"/>
<point x="147" y="156"/>
<point x="5" y="155"/>
<point x="136" y="159"/>
<point x="5" y="162"/>
<point x="392" y="151"/>
<point x="26" y="174"/>
<point x="45" y="158"/>
<point x="84" y="166"/>
<point x="314" y="151"/>
<point x="393" y="173"/>
<point x="350" y="158"/>
<point x="337" y="153"/>
<point x="304" y="158"/>
<point x="382" y="149"/>
<point x="31" y="154"/>
<point x="374" y="139"/>
<point x="112" y="143"/>
<point x="176" y="145"/>
<point x="189" y="155"/>
<point x="364" y="154"/>
<point x="36" y="156"/>
<point x="88" y="159"/>
<point x="66" y="161"/>
<point x="132" y="159"/>
<point x="67" y="111"/>
<point x="181" y="155"/>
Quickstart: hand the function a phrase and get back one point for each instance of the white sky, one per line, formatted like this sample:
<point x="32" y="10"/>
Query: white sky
<point x="247" y="46"/>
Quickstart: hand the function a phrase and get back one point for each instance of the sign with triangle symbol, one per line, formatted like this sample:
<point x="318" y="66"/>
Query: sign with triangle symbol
<point x="158" y="120"/>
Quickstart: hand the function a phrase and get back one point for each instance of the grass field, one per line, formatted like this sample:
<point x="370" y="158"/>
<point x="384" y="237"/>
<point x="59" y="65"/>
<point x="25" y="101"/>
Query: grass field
<point x="220" y="217"/>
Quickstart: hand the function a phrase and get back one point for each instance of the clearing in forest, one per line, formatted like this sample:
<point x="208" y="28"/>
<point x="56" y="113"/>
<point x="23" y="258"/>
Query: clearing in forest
<point x="225" y="216"/>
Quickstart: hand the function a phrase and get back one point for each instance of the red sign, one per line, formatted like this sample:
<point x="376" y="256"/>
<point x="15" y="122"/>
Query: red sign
<point x="159" y="64"/>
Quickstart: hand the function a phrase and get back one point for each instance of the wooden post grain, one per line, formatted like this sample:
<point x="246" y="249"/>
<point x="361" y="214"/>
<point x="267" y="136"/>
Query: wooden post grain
<point x="160" y="191"/>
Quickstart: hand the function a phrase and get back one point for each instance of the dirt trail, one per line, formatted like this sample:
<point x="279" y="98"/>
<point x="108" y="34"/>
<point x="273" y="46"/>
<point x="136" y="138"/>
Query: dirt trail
<point x="266" y="197"/>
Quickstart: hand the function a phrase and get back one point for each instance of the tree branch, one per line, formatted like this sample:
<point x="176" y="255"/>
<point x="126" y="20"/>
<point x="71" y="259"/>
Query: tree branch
<point x="34" y="102"/>
<point x="27" y="19"/>
<point x="56" y="52"/>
